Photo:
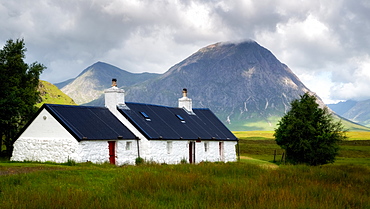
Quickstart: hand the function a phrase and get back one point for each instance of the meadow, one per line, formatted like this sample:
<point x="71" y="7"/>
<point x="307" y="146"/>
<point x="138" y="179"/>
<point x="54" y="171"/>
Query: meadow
<point x="261" y="145"/>
<point x="254" y="182"/>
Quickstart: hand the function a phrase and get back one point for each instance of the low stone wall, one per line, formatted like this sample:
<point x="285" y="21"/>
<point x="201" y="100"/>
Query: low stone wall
<point x="179" y="150"/>
<point x="42" y="150"/>
<point x="161" y="153"/>
<point x="97" y="151"/>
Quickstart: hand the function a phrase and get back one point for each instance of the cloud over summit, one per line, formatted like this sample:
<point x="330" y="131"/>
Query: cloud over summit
<point x="323" y="42"/>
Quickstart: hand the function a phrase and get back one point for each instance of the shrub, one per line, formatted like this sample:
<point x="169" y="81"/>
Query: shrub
<point x="139" y="161"/>
<point x="184" y="161"/>
<point x="70" y="162"/>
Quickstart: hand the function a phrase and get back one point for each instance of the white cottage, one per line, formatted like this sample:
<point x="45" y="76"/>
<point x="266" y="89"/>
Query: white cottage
<point x="123" y="131"/>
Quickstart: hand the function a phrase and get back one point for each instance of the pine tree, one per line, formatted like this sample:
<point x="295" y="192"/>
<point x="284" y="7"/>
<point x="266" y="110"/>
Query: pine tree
<point x="308" y="133"/>
<point x="18" y="91"/>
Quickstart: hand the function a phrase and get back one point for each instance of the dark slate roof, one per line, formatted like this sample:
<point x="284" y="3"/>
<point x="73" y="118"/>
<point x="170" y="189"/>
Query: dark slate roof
<point x="89" y="123"/>
<point x="171" y="123"/>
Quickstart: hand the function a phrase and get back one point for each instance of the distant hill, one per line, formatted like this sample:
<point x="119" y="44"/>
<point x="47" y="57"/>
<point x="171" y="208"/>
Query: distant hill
<point x="342" y="107"/>
<point x="91" y="82"/>
<point x="64" y="83"/>
<point x="357" y="111"/>
<point x="52" y="95"/>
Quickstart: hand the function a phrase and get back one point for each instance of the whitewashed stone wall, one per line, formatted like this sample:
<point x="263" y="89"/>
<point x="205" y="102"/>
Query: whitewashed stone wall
<point x="45" y="140"/>
<point x="125" y="155"/>
<point x="159" y="151"/>
<point x="230" y="151"/>
<point x="96" y="151"/>
<point x="180" y="151"/>
<point x="42" y="150"/>
<point x="213" y="152"/>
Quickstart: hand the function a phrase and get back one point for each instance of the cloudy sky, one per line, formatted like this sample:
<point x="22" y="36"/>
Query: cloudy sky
<point x="325" y="42"/>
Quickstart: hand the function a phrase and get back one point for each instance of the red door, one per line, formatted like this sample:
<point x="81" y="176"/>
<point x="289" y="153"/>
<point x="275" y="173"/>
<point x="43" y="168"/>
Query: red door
<point x="221" y="150"/>
<point x="192" y="152"/>
<point x="112" y="152"/>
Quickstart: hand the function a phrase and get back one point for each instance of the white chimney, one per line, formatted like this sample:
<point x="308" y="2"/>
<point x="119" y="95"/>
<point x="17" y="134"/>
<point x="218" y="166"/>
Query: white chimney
<point x="186" y="102"/>
<point x="114" y="96"/>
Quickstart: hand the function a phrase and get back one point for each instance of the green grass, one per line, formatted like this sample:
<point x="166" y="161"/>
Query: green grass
<point x="254" y="182"/>
<point x="352" y="135"/>
<point x="254" y="134"/>
<point x="207" y="185"/>
<point x="261" y="145"/>
<point x="52" y="95"/>
<point x="360" y="135"/>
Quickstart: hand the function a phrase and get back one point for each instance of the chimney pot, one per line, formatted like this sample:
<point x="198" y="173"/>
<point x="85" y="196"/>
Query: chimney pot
<point x="114" y="82"/>
<point x="184" y="92"/>
<point x="186" y="102"/>
<point x="114" y="96"/>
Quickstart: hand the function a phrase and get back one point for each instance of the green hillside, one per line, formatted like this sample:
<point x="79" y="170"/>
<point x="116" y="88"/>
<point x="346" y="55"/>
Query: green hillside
<point x="271" y="124"/>
<point x="351" y="126"/>
<point x="52" y="95"/>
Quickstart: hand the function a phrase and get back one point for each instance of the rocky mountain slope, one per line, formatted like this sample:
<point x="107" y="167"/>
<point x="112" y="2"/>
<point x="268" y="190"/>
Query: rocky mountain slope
<point x="243" y="83"/>
<point x="90" y="84"/>
<point x="49" y="93"/>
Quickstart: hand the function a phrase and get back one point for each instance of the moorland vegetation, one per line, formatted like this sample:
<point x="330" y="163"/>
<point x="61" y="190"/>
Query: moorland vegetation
<point x="256" y="181"/>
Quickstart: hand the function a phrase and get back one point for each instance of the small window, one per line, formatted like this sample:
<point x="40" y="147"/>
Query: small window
<point x="169" y="147"/>
<point x="147" y="118"/>
<point x="206" y="146"/>
<point x="181" y="118"/>
<point x="128" y="145"/>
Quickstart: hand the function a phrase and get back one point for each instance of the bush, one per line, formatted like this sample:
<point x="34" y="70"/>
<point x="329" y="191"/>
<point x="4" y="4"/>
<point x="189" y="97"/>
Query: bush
<point x="139" y="161"/>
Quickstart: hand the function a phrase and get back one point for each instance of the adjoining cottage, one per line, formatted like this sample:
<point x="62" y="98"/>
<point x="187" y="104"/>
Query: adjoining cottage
<point x="123" y="131"/>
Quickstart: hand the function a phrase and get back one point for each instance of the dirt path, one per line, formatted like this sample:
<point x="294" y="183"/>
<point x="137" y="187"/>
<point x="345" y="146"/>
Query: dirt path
<point x="263" y="164"/>
<point x="245" y="157"/>
<point x="18" y="169"/>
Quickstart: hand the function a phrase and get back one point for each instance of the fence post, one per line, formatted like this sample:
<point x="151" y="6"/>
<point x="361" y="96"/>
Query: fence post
<point x="274" y="155"/>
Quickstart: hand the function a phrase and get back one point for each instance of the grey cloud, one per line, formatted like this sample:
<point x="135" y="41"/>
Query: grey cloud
<point x="67" y="36"/>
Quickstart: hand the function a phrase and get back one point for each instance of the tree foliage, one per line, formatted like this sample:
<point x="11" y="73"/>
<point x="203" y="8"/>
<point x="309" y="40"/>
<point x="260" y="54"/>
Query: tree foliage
<point x="309" y="133"/>
<point x="18" y="91"/>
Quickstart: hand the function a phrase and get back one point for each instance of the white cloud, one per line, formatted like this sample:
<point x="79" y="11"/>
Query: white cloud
<point x="354" y="83"/>
<point x="325" y="40"/>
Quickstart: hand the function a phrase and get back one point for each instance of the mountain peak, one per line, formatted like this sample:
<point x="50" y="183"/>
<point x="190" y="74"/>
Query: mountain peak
<point x="97" y="66"/>
<point x="92" y="81"/>
<point x="227" y="44"/>
<point x="239" y="81"/>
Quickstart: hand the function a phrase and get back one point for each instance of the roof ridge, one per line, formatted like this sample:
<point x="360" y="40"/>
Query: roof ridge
<point x="74" y="106"/>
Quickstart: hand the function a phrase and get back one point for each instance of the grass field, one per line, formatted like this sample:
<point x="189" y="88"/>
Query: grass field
<point x="255" y="135"/>
<point x="206" y="185"/>
<point x="261" y="145"/>
<point x="254" y="182"/>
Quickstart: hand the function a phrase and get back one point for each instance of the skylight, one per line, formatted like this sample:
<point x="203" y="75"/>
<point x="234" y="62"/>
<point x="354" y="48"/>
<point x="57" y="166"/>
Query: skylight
<point x="181" y="118"/>
<point x="147" y="118"/>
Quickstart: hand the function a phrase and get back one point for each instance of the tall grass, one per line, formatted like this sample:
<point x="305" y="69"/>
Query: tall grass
<point x="207" y="185"/>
